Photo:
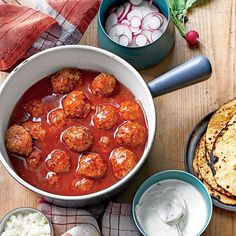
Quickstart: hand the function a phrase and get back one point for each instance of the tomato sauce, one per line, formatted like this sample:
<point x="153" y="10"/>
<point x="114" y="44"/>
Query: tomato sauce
<point x="37" y="176"/>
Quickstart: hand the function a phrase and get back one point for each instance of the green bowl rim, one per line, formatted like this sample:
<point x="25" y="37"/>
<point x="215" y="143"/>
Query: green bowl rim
<point x="161" y="173"/>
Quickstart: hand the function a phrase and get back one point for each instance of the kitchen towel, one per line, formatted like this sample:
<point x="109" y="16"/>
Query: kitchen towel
<point x="112" y="219"/>
<point x="42" y="24"/>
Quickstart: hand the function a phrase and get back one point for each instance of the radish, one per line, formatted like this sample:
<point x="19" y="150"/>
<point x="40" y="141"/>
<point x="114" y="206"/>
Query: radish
<point x="135" y="21"/>
<point x="192" y="38"/>
<point x="120" y="11"/>
<point x="135" y="12"/>
<point x="135" y="2"/>
<point x="123" y="40"/>
<point x="127" y="7"/>
<point x="141" y="40"/>
<point x="111" y="20"/>
<point x="156" y="34"/>
<point x="148" y="34"/>
<point x="126" y="22"/>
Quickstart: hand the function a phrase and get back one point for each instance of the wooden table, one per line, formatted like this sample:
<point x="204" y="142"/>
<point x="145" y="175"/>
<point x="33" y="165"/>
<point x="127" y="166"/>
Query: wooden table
<point x="178" y="111"/>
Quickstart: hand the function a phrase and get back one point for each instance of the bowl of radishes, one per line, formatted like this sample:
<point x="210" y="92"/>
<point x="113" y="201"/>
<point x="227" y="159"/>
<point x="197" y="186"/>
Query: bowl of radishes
<point x="140" y="31"/>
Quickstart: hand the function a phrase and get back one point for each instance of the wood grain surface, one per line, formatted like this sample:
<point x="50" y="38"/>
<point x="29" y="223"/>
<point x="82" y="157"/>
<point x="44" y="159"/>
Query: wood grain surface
<point x="177" y="112"/>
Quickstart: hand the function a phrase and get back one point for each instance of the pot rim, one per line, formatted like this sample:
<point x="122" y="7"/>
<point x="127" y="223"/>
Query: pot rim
<point x="151" y="132"/>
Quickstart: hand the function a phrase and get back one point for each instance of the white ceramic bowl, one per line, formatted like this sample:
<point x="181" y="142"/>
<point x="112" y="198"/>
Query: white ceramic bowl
<point x="85" y="57"/>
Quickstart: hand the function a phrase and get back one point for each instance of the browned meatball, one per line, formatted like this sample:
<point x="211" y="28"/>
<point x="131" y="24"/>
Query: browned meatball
<point x="34" y="158"/>
<point x="83" y="184"/>
<point x="92" y="165"/>
<point x="131" y="134"/>
<point x="35" y="129"/>
<point x="103" y="85"/>
<point x="58" y="161"/>
<point x="130" y="110"/>
<point x="53" y="179"/>
<point x="122" y="161"/>
<point x="75" y="104"/>
<point x="106" y="117"/>
<point x="57" y="118"/>
<point x="18" y="140"/>
<point x="104" y="143"/>
<point x="34" y="108"/>
<point x="66" y="80"/>
<point x="77" y="138"/>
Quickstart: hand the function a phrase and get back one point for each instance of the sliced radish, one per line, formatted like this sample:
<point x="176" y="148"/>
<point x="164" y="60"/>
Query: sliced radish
<point x="118" y="30"/>
<point x="127" y="7"/>
<point x="111" y="20"/>
<point x="136" y="2"/>
<point x="141" y="40"/>
<point x="135" y="21"/>
<point x="148" y="34"/>
<point x="164" y="25"/>
<point x="156" y="34"/>
<point x="154" y="23"/>
<point x="133" y="42"/>
<point x="146" y="9"/>
<point x="123" y="40"/>
<point x="135" y="12"/>
<point x="120" y="10"/>
<point x="134" y="29"/>
<point x="137" y="32"/>
<point x="126" y="22"/>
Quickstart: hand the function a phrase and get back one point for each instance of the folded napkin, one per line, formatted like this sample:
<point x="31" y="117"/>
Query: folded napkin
<point x="112" y="219"/>
<point x="25" y="31"/>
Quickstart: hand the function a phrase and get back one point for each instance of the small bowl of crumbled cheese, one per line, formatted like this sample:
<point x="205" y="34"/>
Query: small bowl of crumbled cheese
<point x="25" y="221"/>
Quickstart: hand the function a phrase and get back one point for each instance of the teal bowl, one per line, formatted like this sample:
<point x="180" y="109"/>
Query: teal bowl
<point x="139" y="57"/>
<point x="173" y="174"/>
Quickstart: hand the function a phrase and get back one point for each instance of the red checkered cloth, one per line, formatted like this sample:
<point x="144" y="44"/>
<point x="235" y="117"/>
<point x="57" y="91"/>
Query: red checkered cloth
<point x="115" y="219"/>
<point x="25" y="31"/>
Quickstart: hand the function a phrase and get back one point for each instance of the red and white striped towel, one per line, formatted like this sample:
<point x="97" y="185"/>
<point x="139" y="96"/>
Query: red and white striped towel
<point x="25" y="31"/>
<point x="115" y="219"/>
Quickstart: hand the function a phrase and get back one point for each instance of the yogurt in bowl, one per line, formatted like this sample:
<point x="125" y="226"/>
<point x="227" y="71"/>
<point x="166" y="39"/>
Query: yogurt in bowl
<point x="173" y="192"/>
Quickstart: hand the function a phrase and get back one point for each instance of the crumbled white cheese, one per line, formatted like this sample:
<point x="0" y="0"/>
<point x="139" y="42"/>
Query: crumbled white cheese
<point x="32" y="224"/>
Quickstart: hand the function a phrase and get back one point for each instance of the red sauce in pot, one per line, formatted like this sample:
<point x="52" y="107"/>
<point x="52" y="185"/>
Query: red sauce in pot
<point x="37" y="176"/>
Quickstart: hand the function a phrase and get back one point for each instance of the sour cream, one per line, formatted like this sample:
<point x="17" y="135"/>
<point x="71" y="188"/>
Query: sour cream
<point x="195" y="216"/>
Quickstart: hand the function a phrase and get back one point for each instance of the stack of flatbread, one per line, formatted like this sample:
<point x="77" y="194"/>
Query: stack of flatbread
<point x="215" y="157"/>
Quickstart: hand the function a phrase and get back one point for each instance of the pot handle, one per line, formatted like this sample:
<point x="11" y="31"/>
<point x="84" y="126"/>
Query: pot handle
<point x="191" y="72"/>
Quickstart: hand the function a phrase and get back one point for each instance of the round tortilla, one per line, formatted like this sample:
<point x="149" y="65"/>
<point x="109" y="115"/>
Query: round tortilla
<point x="218" y="121"/>
<point x="219" y="196"/>
<point x="204" y="169"/>
<point x="224" y="151"/>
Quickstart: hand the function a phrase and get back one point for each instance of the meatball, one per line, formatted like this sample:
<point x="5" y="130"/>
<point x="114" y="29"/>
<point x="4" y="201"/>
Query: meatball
<point x="131" y="134"/>
<point x="76" y="105"/>
<point x="122" y="161"/>
<point x="104" y="143"/>
<point x="78" y="138"/>
<point x="58" y="161"/>
<point x="106" y="117"/>
<point x="92" y="165"/>
<point x="35" y="129"/>
<point x="18" y="140"/>
<point x="130" y="110"/>
<point x="83" y="184"/>
<point x="34" y="108"/>
<point x="57" y="118"/>
<point x="53" y="179"/>
<point x="103" y="85"/>
<point x="34" y="158"/>
<point x="66" y="80"/>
